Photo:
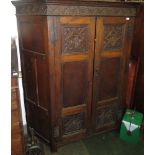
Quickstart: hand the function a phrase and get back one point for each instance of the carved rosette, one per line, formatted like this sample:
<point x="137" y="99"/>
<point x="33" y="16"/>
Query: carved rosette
<point x="73" y="123"/>
<point x="75" y="39"/>
<point x="113" y="36"/>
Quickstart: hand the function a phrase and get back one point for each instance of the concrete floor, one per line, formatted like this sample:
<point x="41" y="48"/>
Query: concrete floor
<point x="103" y="144"/>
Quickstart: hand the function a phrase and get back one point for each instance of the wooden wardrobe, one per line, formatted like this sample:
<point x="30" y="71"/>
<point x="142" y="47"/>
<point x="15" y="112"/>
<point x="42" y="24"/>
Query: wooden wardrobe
<point x="74" y="58"/>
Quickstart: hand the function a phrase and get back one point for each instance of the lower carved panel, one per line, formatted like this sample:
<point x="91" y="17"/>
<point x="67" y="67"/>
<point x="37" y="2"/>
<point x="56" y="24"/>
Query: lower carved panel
<point x="108" y="115"/>
<point x="73" y="123"/>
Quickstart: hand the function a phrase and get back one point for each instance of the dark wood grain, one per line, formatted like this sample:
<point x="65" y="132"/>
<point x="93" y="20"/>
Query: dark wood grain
<point x="75" y="84"/>
<point x="109" y="78"/>
<point x="132" y="75"/>
<point x="32" y="35"/>
<point x="137" y="55"/>
<point x="35" y="72"/>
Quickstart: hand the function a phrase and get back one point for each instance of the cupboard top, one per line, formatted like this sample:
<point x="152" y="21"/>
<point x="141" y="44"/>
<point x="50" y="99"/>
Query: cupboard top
<point x="75" y="8"/>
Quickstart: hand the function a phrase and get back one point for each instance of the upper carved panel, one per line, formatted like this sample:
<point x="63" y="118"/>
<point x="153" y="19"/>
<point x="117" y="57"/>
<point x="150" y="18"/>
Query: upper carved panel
<point x="75" y="39"/>
<point x="113" y="36"/>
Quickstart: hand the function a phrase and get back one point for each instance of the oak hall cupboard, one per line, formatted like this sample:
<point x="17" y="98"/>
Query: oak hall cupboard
<point x="74" y="59"/>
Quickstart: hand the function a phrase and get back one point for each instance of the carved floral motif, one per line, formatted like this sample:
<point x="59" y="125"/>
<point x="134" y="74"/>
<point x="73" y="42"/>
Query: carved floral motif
<point x="43" y="9"/>
<point x="90" y="10"/>
<point x="108" y="115"/>
<point x="75" y="39"/>
<point x="113" y="36"/>
<point x="73" y="123"/>
<point x="32" y="9"/>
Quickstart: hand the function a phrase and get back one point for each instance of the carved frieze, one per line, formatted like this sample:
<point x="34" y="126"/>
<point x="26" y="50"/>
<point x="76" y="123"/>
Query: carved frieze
<point x="113" y="36"/>
<point x="73" y="123"/>
<point x="75" y="39"/>
<point x="89" y="10"/>
<point x="32" y="9"/>
<point x="44" y="9"/>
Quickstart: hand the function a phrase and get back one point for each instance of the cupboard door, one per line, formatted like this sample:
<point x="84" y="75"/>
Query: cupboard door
<point x="74" y="52"/>
<point x="113" y="43"/>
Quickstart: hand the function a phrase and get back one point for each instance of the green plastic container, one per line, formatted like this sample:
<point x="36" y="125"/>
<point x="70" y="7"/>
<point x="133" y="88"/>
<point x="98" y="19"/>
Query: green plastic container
<point x="130" y="127"/>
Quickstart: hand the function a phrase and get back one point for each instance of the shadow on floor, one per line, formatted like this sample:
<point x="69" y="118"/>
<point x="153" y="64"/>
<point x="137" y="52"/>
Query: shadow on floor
<point x="103" y="144"/>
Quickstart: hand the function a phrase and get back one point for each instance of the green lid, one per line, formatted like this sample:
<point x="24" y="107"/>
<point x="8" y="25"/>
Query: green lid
<point x="133" y="116"/>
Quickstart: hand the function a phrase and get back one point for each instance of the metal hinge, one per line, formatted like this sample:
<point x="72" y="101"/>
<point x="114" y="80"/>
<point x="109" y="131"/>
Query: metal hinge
<point x="53" y="33"/>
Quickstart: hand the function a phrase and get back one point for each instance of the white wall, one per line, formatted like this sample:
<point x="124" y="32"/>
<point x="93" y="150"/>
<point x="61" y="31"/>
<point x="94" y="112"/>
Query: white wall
<point x="14" y="34"/>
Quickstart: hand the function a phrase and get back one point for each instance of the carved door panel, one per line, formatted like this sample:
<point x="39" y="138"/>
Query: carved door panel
<point x="74" y="53"/>
<point x="113" y="43"/>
